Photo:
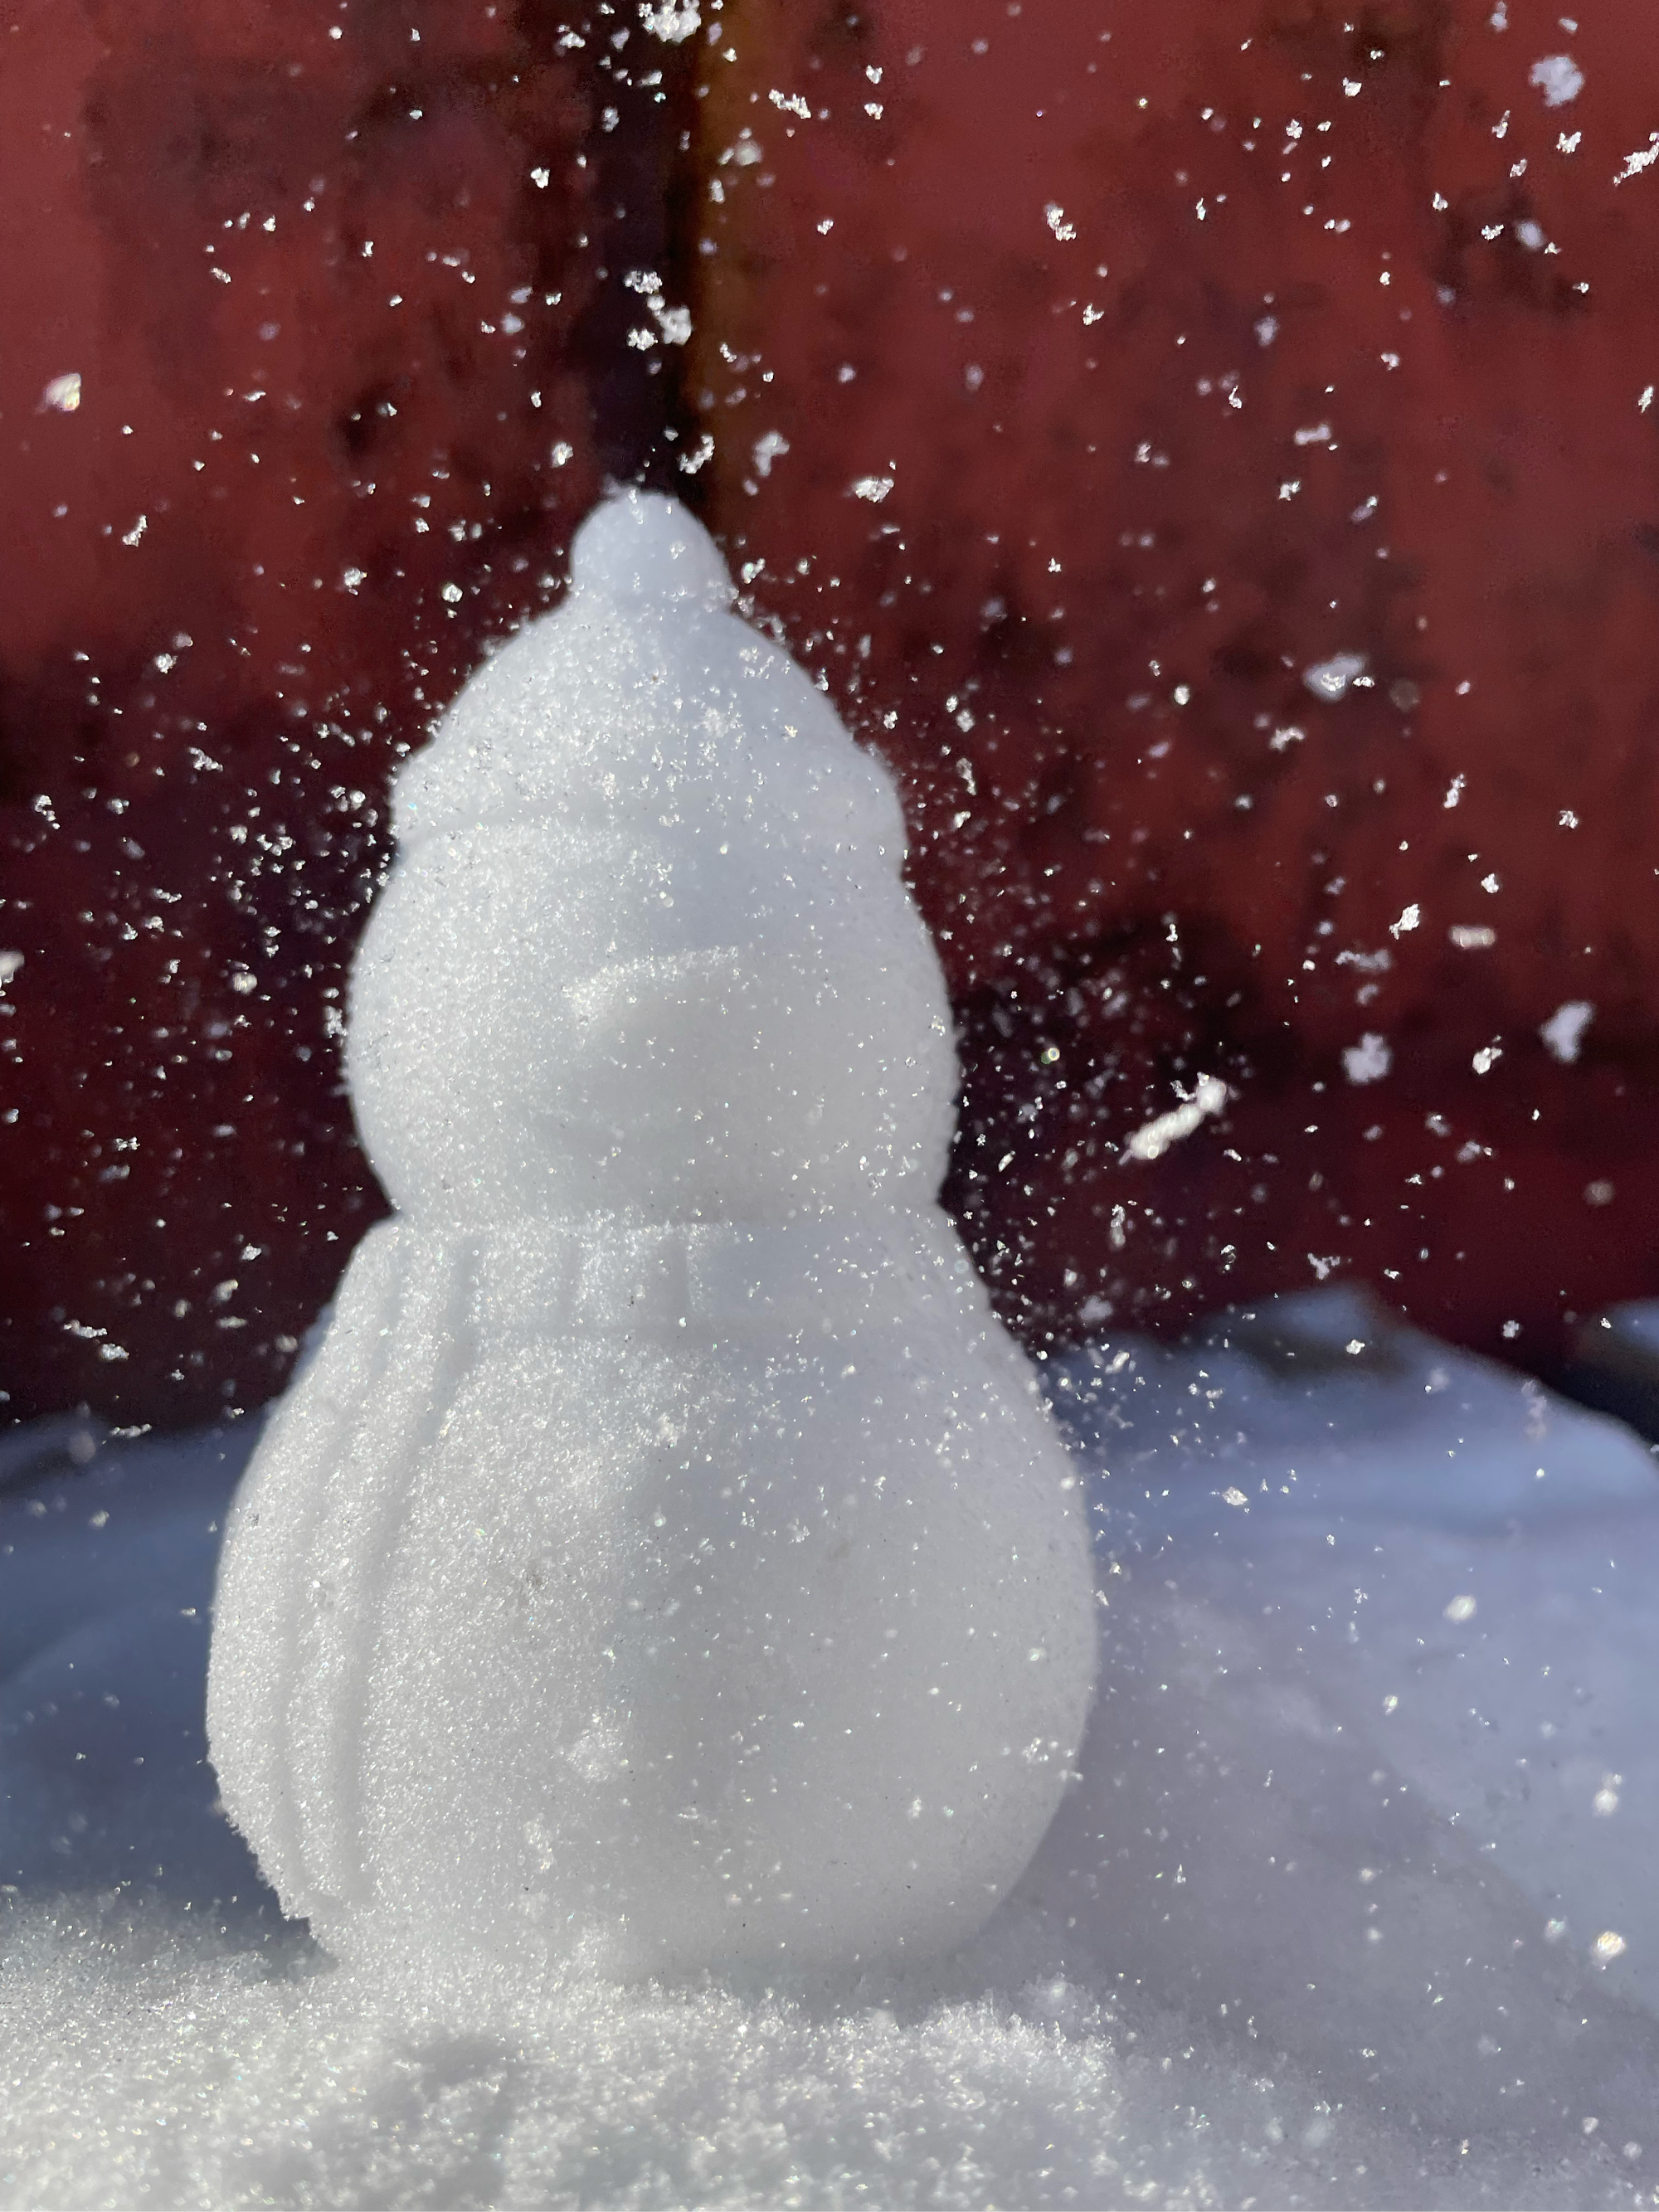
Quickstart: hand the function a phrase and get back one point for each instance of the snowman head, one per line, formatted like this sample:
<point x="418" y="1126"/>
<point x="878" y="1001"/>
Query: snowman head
<point x="647" y="947"/>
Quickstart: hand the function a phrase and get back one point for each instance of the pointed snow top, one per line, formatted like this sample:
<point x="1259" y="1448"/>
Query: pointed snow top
<point x="640" y="545"/>
<point x="643" y="700"/>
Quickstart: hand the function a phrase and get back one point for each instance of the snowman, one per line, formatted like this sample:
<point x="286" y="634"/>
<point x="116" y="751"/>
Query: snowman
<point x="664" y="1563"/>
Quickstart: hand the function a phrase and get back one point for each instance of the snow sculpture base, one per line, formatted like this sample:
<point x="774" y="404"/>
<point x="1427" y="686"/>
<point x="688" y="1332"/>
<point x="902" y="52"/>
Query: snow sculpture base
<point x="664" y="1562"/>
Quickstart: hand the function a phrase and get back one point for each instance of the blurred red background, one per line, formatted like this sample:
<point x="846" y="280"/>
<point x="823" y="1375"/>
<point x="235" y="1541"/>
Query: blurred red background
<point x="1209" y="451"/>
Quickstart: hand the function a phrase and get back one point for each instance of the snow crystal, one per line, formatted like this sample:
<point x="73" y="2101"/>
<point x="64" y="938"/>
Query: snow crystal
<point x="666" y="1532"/>
<point x="1369" y="1060"/>
<point x="1558" y="78"/>
<point x="673" y="22"/>
<point x="63" y="393"/>
<point x="1154" y="1138"/>
<point x="1563" y="1032"/>
<point x="1330" y="679"/>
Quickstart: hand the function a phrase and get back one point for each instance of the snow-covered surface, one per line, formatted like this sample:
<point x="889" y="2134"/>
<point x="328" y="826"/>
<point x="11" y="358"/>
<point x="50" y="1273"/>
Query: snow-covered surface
<point x="1319" y="1923"/>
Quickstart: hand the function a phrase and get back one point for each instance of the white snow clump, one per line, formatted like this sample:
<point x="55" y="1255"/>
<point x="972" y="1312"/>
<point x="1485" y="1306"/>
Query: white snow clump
<point x="1563" y="1032"/>
<point x="1558" y="78"/>
<point x="1369" y="1060"/>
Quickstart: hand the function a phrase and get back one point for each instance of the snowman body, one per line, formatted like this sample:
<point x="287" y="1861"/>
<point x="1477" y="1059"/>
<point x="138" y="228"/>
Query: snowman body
<point x="664" y="1562"/>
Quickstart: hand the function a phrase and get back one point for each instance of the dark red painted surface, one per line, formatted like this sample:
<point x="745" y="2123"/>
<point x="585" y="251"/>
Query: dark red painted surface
<point x="331" y="280"/>
<point x="1156" y="437"/>
<point x="1200" y="346"/>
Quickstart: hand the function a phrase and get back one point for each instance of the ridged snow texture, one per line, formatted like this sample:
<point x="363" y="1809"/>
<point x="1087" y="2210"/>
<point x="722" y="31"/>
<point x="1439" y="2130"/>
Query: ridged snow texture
<point x="664" y="1563"/>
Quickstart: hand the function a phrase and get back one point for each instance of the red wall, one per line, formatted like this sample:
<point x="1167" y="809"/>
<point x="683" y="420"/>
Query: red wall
<point x="1151" y="457"/>
<point x="1333" y="343"/>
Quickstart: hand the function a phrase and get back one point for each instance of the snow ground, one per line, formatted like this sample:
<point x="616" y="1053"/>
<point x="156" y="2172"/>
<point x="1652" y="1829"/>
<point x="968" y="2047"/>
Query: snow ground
<point x="1351" y="1904"/>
